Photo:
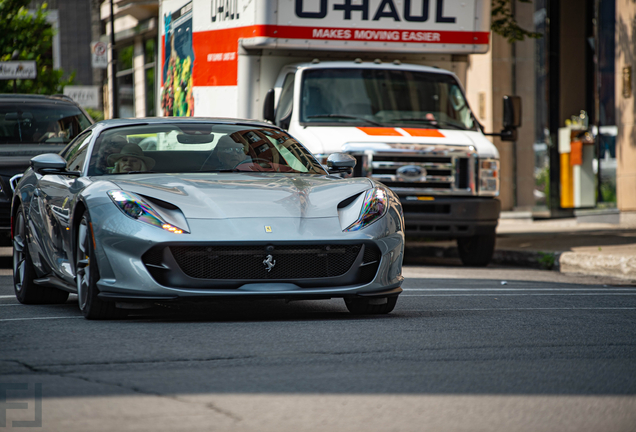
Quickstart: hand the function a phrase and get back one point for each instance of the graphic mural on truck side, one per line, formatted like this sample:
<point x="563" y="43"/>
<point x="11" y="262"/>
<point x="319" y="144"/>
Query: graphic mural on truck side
<point x="177" y="99"/>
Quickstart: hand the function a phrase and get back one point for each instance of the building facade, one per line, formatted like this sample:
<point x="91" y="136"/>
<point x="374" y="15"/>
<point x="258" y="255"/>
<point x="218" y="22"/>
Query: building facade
<point x="575" y="77"/>
<point x="130" y="89"/>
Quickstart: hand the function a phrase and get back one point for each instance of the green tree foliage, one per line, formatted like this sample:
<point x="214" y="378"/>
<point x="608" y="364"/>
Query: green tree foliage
<point x="29" y="34"/>
<point x="505" y="24"/>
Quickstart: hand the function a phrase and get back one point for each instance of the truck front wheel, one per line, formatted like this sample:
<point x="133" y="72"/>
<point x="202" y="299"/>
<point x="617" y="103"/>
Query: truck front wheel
<point x="476" y="251"/>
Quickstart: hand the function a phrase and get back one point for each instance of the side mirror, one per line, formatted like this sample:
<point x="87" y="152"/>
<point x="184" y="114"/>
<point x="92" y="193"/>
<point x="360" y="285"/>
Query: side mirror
<point x="511" y="117"/>
<point x="340" y="163"/>
<point x="51" y="163"/>
<point x="269" y="111"/>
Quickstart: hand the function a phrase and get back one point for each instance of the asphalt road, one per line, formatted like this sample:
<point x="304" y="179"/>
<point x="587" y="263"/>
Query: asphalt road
<point x="494" y="349"/>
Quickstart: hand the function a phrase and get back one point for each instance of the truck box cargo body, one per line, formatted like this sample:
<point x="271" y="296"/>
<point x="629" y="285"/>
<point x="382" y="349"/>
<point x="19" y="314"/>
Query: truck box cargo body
<point x="377" y="79"/>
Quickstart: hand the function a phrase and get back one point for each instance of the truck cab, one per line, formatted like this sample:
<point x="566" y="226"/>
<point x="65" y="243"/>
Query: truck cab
<point x="409" y="127"/>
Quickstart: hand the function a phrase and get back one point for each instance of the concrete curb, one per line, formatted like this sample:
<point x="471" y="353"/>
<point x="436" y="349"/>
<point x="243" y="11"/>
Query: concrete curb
<point x="617" y="266"/>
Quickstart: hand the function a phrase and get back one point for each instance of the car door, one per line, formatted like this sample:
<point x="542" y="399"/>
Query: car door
<point x="54" y="195"/>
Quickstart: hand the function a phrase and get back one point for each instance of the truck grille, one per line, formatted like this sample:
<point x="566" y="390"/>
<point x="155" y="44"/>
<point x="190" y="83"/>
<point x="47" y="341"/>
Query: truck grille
<point x="443" y="170"/>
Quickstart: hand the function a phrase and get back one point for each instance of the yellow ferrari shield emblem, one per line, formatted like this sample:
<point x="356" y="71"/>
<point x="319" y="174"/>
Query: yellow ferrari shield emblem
<point x="268" y="228"/>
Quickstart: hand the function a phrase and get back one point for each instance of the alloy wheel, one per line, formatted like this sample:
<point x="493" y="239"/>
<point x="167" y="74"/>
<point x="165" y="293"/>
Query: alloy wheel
<point x="19" y="252"/>
<point x="83" y="264"/>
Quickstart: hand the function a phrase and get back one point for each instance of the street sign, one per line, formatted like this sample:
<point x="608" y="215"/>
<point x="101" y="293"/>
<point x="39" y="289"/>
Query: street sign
<point x="26" y="69"/>
<point x="99" y="55"/>
<point x="85" y="96"/>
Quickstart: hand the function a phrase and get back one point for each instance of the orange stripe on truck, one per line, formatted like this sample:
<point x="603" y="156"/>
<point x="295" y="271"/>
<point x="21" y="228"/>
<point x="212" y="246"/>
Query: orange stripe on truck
<point x="380" y="131"/>
<point x="431" y="133"/>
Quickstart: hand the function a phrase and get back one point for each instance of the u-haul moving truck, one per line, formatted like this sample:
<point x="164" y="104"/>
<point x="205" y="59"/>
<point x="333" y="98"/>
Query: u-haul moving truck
<point x="377" y="79"/>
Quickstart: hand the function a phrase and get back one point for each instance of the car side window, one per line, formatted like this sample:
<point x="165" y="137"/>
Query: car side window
<point x="76" y="154"/>
<point x="73" y="144"/>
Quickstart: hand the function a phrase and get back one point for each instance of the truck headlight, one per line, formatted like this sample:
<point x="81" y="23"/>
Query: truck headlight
<point x="374" y="206"/>
<point x="136" y="208"/>
<point x="488" y="177"/>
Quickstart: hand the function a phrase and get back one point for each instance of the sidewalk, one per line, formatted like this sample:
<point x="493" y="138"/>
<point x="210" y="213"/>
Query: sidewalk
<point x="585" y="244"/>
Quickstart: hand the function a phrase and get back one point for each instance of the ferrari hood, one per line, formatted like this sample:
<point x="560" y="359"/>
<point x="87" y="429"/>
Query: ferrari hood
<point x="255" y="195"/>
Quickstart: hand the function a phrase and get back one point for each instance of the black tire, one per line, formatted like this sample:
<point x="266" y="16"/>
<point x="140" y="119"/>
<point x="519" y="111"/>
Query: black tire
<point x="364" y="306"/>
<point x="87" y="275"/>
<point x="476" y="251"/>
<point x="26" y="291"/>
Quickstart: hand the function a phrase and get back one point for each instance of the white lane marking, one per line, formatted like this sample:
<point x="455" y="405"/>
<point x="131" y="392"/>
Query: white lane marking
<point x="7" y="296"/>
<point x="11" y="304"/>
<point x="517" y="294"/>
<point x="512" y="309"/>
<point x="520" y="289"/>
<point x="40" y="318"/>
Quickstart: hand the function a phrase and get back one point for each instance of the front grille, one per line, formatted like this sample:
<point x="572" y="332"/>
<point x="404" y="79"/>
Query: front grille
<point x="5" y="216"/>
<point x="446" y="170"/>
<point x="247" y="262"/>
<point x="414" y="185"/>
<point x="419" y="207"/>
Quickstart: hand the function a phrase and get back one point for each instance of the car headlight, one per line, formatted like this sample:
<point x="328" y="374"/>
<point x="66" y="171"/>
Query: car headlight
<point x="136" y="208"/>
<point x="374" y="205"/>
<point x="488" y="177"/>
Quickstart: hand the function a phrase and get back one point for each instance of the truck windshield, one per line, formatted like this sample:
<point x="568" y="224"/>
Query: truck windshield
<point x="386" y="96"/>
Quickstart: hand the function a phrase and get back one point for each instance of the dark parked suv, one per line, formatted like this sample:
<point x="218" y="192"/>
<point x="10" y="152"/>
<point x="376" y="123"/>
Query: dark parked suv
<point x="31" y="125"/>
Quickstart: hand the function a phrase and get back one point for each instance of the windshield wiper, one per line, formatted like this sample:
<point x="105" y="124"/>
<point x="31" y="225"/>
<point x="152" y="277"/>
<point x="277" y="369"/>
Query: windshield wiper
<point x="134" y="172"/>
<point x="222" y="171"/>
<point x="435" y="123"/>
<point x="375" y="123"/>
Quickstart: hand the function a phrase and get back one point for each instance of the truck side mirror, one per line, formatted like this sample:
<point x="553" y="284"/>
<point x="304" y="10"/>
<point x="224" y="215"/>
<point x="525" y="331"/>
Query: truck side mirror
<point x="269" y="112"/>
<point x="511" y="117"/>
<point x="340" y="163"/>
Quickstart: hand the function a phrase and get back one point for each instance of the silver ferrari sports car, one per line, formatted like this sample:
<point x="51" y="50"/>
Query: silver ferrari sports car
<point x="144" y="211"/>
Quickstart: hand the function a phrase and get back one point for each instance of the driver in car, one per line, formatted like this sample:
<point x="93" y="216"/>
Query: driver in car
<point x="131" y="158"/>
<point x="109" y="147"/>
<point x="230" y="153"/>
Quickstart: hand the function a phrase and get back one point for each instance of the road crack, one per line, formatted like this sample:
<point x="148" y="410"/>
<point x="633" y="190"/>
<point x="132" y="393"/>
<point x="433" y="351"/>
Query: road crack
<point x="138" y="390"/>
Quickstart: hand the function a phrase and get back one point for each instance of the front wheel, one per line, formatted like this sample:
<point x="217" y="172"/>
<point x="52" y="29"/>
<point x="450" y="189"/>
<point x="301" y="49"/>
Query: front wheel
<point x="87" y="275"/>
<point x="370" y="305"/>
<point x="476" y="251"/>
<point x="26" y="291"/>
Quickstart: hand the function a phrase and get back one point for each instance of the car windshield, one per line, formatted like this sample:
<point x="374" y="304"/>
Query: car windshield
<point x="40" y="122"/>
<point x="199" y="147"/>
<point x="387" y="97"/>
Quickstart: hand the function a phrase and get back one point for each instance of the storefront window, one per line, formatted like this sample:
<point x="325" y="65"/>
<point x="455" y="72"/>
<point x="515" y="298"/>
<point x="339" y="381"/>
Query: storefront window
<point x="126" y="95"/>
<point x="125" y="82"/>
<point x="125" y="58"/>
<point x="149" y="66"/>
<point x="149" y="51"/>
<point x="607" y="77"/>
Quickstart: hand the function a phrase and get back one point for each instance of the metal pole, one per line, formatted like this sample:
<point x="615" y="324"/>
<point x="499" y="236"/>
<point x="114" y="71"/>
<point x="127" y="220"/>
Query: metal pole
<point x="554" y="106"/>
<point x="513" y="72"/>
<point x="113" y="62"/>
<point x="597" y="95"/>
